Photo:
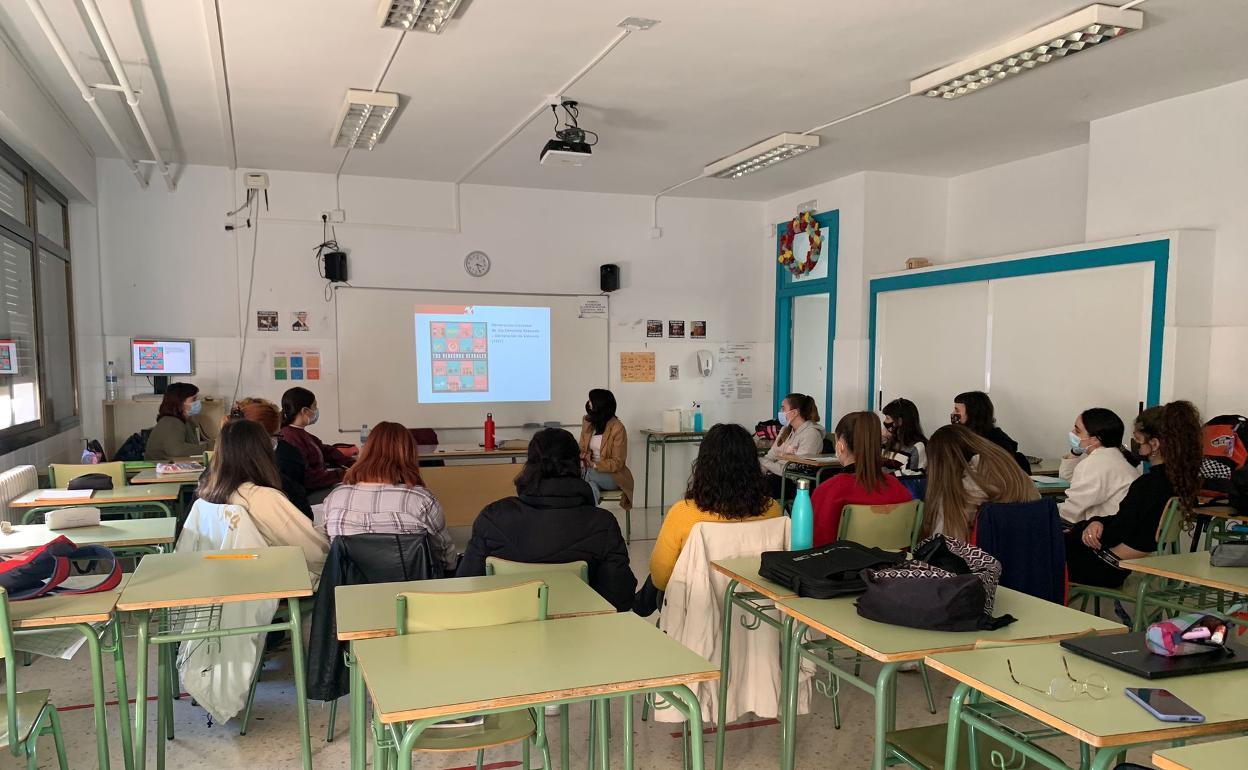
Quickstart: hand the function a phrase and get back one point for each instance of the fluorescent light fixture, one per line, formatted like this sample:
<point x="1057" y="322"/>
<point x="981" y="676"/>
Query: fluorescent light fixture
<point x="1092" y="26"/>
<point x="762" y="155"/>
<point x="364" y="117"/>
<point x="423" y="15"/>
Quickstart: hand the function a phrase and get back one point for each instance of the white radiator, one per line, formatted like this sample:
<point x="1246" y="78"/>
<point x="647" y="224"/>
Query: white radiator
<point x="14" y="483"/>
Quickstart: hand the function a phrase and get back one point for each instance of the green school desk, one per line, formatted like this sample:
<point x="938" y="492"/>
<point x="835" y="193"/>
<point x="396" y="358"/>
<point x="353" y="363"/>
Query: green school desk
<point x="1215" y="755"/>
<point x="154" y="498"/>
<point x="175" y="583"/>
<point x="130" y="534"/>
<point x="657" y="440"/>
<point x="92" y="616"/>
<point x="1109" y="727"/>
<point x="150" y="476"/>
<point x="367" y="612"/>
<point x="893" y="645"/>
<point x="542" y="663"/>
<point x="814" y="469"/>
<point x="1177" y="582"/>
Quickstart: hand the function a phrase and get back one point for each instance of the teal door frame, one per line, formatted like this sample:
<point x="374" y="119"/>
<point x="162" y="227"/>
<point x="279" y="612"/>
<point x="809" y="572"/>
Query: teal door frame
<point x="787" y="289"/>
<point x="1156" y="251"/>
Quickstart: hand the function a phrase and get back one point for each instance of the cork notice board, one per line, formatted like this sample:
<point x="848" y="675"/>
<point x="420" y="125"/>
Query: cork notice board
<point x="636" y="367"/>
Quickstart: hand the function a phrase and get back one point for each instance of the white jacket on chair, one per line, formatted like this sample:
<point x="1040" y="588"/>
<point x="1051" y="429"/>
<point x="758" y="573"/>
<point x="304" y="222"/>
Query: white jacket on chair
<point x="217" y="673"/>
<point x="693" y="612"/>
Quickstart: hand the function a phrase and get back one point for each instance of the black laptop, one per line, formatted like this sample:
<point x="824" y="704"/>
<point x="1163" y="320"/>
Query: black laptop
<point x="1128" y="652"/>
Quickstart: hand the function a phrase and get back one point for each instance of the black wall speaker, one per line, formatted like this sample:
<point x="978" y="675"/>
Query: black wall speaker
<point x="336" y="266"/>
<point x="609" y="277"/>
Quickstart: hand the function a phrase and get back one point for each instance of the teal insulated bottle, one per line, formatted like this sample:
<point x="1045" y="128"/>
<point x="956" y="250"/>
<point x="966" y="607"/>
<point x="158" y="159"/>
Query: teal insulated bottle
<point x="802" y="527"/>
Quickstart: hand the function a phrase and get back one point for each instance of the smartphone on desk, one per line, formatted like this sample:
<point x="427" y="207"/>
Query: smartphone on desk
<point x="1164" y="704"/>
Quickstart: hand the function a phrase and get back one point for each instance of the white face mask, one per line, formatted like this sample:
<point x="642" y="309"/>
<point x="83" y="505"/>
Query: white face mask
<point x="783" y="417"/>
<point x="316" y="415"/>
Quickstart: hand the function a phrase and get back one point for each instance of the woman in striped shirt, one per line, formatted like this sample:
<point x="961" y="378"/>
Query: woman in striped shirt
<point x="383" y="492"/>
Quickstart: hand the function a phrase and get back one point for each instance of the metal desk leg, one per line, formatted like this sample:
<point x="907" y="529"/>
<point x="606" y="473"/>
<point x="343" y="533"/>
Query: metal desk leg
<point x="628" y="732"/>
<point x="791" y="664"/>
<point x="358" y="703"/>
<point x="97" y="691"/>
<point x="163" y="699"/>
<point x="143" y="617"/>
<point x="662" y="476"/>
<point x="564" y="749"/>
<point x="301" y="688"/>
<point x="647" y="503"/>
<point x="954" y="735"/>
<point x="885" y="718"/>
<point x="725" y="650"/>
<point x="602" y="725"/>
<point x="693" y="712"/>
<point x="123" y="696"/>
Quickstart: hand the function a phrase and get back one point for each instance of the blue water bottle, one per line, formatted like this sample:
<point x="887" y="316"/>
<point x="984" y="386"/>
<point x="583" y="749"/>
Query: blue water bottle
<point x="802" y="526"/>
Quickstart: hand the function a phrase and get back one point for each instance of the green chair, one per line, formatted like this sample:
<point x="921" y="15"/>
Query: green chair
<point x="1132" y="590"/>
<point x="60" y="474"/>
<point x="497" y="566"/>
<point x="891" y="527"/>
<point x="24" y="716"/>
<point x="419" y="612"/>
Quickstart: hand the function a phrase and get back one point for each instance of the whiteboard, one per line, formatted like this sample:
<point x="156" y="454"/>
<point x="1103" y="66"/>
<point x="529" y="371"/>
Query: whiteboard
<point x="931" y="344"/>
<point x="377" y="372"/>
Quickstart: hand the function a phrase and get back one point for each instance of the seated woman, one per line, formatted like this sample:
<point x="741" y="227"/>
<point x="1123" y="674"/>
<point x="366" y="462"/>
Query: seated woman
<point x="289" y="462"/>
<point x="383" y="492"/>
<point x="176" y="435"/>
<point x="1098" y="468"/>
<point x="862" y="480"/>
<point x="243" y="473"/>
<point x="904" y="441"/>
<point x="553" y="519"/>
<point x="324" y="465"/>
<point x="726" y="486"/>
<point x="974" y="409"/>
<point x="801" y="435"/>
<point x="604" y="448"/>
<point x="964" y="471"/>
<point x="1170" y="438"/>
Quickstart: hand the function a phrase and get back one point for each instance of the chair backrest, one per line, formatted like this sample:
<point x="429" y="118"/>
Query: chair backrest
<point x="1170" y="527"/>
<point x="418" y="611"/>
<point x="424" y="436"/>
<point x="208" y="458"/>
<point x="497" y="566"/>
<point x="60" y="474"/>
<point x="891" y="527"/>
<point x="14" y="483"/>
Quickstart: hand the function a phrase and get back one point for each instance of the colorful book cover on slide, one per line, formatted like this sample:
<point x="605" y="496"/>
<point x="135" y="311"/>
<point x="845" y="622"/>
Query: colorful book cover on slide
<point x="482" y="353"/>
<point x="460" y="353"/>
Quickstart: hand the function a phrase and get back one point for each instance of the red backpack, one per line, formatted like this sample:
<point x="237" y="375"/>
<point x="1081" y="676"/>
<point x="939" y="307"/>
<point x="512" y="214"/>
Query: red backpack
<point x="1225" y="450"/>
<point x="42" y="570"/>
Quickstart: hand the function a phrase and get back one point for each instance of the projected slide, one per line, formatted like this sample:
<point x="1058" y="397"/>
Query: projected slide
<point x="482" y="353"/>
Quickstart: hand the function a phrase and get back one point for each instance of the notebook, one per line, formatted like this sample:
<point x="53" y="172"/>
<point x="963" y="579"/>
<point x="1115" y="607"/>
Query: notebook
<point x="1128" y="652"/>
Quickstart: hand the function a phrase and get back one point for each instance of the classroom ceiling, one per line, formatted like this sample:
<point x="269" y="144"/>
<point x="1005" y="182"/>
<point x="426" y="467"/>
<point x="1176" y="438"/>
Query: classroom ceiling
<point x="713" y="77"/>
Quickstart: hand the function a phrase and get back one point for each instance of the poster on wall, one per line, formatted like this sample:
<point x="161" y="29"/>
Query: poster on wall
<point x="697" y="330"/>
<point x="673" y="372"/>
<point x="636" y="367"/>
<point x="8" y="356"/>
<point x="299" y="321"/>
<point x="266" y="320"/>
<point x="303" y="364"/>
<point x="676" y="330"/>
<point x="735" y="364"/>
<point x="654" y="329"/>
<point x="591" y="307"/>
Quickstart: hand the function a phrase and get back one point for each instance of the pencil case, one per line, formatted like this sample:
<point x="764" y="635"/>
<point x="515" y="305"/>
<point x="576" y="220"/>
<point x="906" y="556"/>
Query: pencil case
<point x="1165" y="637"/>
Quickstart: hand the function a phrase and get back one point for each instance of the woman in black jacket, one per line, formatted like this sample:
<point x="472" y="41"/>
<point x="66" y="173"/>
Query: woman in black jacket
<point x="974" y="410"/>
<point x="553" y="519"/>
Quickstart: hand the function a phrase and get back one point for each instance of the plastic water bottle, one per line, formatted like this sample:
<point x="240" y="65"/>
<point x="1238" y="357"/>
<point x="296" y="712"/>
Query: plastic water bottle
<point x="697" y="417"/>
<point x="802" y="526"/>
<point x="111" y="391"/>
<point x="363" y="434"/>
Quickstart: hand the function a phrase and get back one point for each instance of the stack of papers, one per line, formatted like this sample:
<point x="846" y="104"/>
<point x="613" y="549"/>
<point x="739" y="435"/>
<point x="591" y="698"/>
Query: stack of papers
<point x="64" y="495"/>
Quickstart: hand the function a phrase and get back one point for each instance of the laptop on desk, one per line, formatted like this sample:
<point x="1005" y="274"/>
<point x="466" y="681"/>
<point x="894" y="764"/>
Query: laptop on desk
<point x="1128" y="652"/>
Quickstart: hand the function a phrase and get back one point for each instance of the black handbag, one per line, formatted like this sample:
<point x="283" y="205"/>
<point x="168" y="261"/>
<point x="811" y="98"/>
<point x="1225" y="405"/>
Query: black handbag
<point x="91" y="481"/>
<point x="827" y="571"/>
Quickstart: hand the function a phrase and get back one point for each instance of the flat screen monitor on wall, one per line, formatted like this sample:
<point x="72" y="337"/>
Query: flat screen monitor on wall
<point x="161" y="359"/>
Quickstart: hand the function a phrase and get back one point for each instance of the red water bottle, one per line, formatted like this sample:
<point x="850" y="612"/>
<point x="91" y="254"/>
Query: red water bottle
<point x="489" y="430"/>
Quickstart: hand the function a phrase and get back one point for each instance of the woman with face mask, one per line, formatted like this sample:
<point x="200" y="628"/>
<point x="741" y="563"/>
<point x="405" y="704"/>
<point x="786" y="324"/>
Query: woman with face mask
<point x="1169" y="439"/>
<point x="604" y="448"/>
<point x="1098" y="468"/>
<point x="325" y="465"/>
<point x="801" y="435"/>
<point x="176" y="434"/>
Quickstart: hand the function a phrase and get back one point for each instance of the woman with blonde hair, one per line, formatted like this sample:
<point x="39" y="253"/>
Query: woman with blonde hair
<point x="964" y="471"/>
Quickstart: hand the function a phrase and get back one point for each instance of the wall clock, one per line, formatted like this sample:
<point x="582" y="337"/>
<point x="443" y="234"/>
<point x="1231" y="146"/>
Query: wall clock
<point x="477" y="264"/>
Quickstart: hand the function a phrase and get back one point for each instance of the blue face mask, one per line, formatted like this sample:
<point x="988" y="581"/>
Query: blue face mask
<point x="1075" y="443"/>
<point x="194" y="408"/>
<point x="783" y="417"/>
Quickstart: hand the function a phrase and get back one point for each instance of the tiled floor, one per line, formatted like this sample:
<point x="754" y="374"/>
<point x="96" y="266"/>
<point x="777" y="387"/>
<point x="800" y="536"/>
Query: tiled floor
<point x="271" y="742"/>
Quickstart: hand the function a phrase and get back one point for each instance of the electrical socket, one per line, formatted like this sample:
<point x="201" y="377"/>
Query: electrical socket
<point x="335" y="216"/>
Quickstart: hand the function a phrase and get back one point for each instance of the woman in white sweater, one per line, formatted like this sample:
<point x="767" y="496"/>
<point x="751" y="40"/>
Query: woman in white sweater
<point x="1098" y="468"/>
<point x="801" y="435"/>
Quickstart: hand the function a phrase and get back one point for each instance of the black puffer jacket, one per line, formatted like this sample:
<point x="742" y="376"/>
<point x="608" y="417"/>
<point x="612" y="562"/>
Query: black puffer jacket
<point x="556" y="523"/>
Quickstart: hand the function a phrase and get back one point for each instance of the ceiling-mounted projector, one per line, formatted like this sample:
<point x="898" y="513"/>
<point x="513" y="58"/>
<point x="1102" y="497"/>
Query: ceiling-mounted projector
<point x="569" y="147"/>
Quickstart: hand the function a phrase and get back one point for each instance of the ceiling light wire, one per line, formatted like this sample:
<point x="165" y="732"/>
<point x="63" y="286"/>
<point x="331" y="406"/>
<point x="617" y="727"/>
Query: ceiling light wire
<point x="1130" y="5"/>
<point x="381" y="79"/>
<point x="853" y="115"/>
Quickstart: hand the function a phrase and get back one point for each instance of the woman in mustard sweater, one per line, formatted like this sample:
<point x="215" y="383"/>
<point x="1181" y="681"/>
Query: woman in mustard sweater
<point x="727" y="486"/>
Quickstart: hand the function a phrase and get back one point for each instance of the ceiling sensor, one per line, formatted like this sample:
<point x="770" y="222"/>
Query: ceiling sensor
<point x="570" y="147"/>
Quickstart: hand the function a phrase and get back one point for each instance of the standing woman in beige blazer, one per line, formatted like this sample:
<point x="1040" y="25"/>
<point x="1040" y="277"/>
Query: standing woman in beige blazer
<point x="604" y="448"/>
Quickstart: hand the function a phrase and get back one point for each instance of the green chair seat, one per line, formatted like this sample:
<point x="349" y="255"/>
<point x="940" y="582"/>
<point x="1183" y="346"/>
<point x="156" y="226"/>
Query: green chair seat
<point x="924" y="747"/>
<point x="498" y="730"/>
<point x="29" y="706"/>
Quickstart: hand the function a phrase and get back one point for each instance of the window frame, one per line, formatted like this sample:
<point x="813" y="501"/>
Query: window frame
<point x="27" y="233"/>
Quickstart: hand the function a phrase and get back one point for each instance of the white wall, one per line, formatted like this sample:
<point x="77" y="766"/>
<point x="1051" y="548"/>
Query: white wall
<point x="170" y="268"/>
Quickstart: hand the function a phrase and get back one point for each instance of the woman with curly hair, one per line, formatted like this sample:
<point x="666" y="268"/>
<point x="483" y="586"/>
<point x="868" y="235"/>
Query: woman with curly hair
<point x="727" y="486"/>
<point x="1169" y="439"/>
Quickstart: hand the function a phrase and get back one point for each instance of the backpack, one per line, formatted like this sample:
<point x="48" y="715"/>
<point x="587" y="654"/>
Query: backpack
<point x="134" y="447"/>
<point x="948" y="586"/>
<point x="767" y="429"/>
<point x="827" y="571"/>
<point x="1225" y="450"/>
<point x="43" y="570"/>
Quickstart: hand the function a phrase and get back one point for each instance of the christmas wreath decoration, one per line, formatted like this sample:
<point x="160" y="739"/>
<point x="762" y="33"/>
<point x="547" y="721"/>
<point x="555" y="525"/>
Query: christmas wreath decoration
<point x="804" y="222"/>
